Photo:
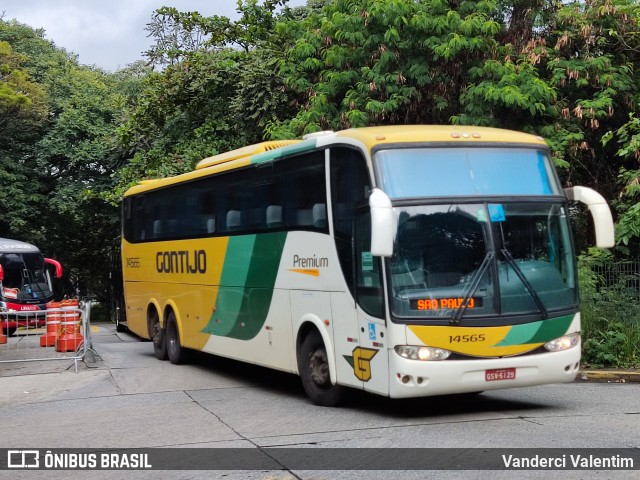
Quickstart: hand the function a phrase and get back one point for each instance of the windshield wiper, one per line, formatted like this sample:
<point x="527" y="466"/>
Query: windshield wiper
<point x="29" y="279"/>
<point x="474" y="283"/>
<point x="525" y="281"/>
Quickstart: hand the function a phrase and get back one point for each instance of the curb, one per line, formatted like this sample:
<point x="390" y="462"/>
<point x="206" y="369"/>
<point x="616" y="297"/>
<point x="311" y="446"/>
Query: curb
<point x="610" y="376"/>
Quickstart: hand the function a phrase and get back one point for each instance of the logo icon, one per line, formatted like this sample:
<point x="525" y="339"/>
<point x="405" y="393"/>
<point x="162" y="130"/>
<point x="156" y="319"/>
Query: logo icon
<point x="23" y="459"/>
<point x="361" y="362"/>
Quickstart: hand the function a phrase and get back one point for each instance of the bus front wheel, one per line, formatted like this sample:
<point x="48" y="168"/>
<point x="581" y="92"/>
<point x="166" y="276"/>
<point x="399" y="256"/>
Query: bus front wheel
<point x="158" y="336"/>
<point x="177" y="353"/>
<point x="313" y="365"/>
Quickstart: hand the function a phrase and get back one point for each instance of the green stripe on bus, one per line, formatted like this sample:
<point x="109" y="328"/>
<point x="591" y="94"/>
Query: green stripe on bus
<point x="237" y="261"/>
<point x="552" y="328"/>
<point x="537" y="332"/>
<point x="233" y="280"/>
<point x="303" y="146"/>
<point x="242" y="308"/>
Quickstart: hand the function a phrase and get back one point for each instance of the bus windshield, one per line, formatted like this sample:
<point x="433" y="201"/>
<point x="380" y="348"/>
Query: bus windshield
<point x="469" y="171"/>
<point x="481" y="259"/>
<point x="24" y="277"/>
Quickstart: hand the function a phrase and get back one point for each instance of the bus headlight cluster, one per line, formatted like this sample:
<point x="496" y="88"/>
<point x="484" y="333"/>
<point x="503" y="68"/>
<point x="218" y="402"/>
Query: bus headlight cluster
<point x="422" y="353"/>
<point x="563" y="343"/>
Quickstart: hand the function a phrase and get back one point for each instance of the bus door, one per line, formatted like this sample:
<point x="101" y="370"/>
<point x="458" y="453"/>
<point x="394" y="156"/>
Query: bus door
<point x="358" y="315"/>
<point x="371" y="364"/>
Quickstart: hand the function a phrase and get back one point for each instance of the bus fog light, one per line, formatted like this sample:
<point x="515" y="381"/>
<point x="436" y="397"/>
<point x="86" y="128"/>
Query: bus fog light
<point x="563" y="343"/>
<point x="422" y="353"/>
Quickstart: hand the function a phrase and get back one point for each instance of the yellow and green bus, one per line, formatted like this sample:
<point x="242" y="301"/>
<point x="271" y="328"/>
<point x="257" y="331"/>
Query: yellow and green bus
<point x="405" y="260"/>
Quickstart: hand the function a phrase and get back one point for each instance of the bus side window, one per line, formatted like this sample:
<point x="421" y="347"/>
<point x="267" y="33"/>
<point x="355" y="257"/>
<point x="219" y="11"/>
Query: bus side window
<point x="304" y="183"/>
<point x="369" y="293"/>
<point x="350" y="186"/>
<point x="139" y="219"/>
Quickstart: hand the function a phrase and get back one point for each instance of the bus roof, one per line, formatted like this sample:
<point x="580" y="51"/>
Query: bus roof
<point x="247" y="151"/>
<point x="16" y="246"/>
<point x="372" y="136"/>
<point x="368" y="136"/>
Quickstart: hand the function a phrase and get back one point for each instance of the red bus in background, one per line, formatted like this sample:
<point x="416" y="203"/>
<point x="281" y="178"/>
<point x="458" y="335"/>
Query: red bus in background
<point x="25" y="284"/>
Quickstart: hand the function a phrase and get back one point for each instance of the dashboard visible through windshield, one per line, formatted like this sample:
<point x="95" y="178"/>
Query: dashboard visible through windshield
<point x="481" y="259"/>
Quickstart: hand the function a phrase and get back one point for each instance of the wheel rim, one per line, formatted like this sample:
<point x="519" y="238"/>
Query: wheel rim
<point x="319" y="368"/>
<point x="156" y="333"/>
<point x="154" y="328"/>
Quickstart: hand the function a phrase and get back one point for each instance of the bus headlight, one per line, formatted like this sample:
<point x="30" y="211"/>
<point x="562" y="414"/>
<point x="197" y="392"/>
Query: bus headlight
<point x="563" y="343"/>
<point x="422" y="353"/>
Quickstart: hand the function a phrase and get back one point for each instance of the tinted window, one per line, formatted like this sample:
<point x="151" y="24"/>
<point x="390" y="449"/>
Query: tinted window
<point x="287" y="194"/>
<point x="350" y="186"/>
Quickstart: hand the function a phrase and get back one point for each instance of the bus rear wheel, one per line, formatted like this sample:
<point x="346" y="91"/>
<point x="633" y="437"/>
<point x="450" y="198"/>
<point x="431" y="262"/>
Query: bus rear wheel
<point x="158" y="336"/>
<point x="313" y="365"/>
<point x="177" y="353"/>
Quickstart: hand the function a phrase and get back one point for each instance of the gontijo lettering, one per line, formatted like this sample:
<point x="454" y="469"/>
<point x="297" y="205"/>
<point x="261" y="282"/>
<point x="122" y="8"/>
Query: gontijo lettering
<point x="181" y="261"/>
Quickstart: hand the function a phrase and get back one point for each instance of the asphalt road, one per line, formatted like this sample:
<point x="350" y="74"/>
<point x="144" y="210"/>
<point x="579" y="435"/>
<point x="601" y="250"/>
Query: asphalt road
<point x="128" y="399"/>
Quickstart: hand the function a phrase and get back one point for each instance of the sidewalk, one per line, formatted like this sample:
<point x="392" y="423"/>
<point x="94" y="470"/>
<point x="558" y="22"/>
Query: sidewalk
<point x="610" y="376"/>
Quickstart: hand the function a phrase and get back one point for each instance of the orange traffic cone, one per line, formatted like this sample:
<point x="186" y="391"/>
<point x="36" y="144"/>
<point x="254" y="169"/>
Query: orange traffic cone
<point x="69" y="335"/>
<point x="54" y="315"/>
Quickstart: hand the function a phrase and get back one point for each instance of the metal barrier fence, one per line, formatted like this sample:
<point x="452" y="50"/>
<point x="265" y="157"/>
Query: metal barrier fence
<point x="62" y="333"/>
<point x="623" y="277"/>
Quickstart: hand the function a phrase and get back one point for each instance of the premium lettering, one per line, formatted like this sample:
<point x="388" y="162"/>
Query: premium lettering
<point x="310" y="262"/>
<point x="181" y="261"/>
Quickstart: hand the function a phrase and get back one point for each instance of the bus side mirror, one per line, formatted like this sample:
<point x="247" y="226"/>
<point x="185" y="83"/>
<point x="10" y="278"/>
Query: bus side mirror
<point x="383" y="226"/>
<point x="600" y="212"/>
<point x="56" y="265"/>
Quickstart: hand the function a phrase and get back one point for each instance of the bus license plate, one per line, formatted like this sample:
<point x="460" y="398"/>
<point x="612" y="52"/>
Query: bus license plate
<point x="500" y="374"/>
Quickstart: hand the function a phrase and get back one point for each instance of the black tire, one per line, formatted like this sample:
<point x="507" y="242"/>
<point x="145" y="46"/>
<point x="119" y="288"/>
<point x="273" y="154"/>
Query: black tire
<point x="9" y="331"/>
<point x="313" y="365"/>
<point x="176" y="352"/>
<point x="158" y="336"/>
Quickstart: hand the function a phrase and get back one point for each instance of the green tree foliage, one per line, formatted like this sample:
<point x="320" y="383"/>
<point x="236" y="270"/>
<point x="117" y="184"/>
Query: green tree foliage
<point x="214" y="96"/>
<point x="58" y="156"/>
<point x="23" y="112"/>
<point x="22" y="101"/>
<point x="364" y="62"/>
<point x="627" y="202"/>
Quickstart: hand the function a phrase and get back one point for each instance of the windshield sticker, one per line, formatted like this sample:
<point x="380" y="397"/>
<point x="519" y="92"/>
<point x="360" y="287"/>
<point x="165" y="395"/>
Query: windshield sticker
<point x="10" y="293"/>
<point x="372" y="331"/>
<point x="496" y="214"/>
<point x="367" y="262"/>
